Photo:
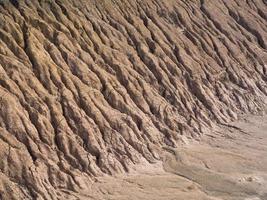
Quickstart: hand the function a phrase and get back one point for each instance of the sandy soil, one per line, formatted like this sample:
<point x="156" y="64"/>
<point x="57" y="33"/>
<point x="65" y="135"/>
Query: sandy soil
<point x="230" y="164"/>
<point x="89" y="88"/>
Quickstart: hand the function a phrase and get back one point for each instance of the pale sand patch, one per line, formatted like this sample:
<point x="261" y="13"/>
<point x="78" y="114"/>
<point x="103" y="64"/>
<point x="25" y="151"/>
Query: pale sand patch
<point x="230" y="164"/>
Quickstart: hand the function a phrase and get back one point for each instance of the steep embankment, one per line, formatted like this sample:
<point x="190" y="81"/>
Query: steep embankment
<point x="91" y="87"/>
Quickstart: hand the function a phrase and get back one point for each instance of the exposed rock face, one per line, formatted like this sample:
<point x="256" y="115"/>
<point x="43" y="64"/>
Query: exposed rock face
<point x="91" y="87"/>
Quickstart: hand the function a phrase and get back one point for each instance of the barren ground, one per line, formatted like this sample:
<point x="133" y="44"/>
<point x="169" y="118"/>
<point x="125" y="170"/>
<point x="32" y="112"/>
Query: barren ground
<point x="229" y="165"/>
<point x="94" y="88"/>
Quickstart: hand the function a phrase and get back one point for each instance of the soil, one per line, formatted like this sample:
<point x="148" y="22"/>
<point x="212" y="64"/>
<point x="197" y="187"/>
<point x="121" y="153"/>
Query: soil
<point x="230" y="164"/>
<point x="95" y="88"/>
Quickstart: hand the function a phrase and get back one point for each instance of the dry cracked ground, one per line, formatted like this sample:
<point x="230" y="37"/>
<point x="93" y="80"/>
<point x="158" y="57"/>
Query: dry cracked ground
<point x="92" y="89"/>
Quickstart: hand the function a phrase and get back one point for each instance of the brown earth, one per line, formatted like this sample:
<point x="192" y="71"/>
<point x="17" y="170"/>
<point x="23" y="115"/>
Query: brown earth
<point x="91" y="88"/>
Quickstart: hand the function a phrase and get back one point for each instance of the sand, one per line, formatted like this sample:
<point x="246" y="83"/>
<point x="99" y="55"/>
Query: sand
<point x="94" y="88"/>
<point x="230" y="164"/>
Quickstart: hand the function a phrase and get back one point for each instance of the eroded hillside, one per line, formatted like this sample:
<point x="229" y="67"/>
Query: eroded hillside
<point x="91" y="87"/>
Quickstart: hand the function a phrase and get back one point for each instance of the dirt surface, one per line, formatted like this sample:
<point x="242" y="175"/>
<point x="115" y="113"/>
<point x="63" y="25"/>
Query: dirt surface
<point x="229" y="165"/>
<point x="92" y="88"/>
